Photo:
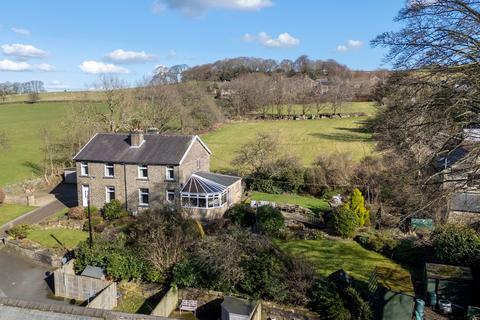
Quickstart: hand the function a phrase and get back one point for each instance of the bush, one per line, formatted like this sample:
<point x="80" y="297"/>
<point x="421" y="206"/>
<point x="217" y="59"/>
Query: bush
<point x="2" y="196"/>
<point x="459" y="245"/>
<point x="96" y="222"/>
<point x="19" y="231"/>
<point x="325" y="300"/>
<point x="185" y="274"/>
<point x="270" y="219"/>
<point x="77" y="213"/>
<point x="242" y="215"/>
<point x="357" y="205"/>
<point x="313" y="234"/>
<point x="113" y="210"/>
<point x="93" y="211"/>
<point x="343" y="222"/>
<point x="410" y="252"/>
<point x="359" y="309"/>
<point x="380" y="242"/>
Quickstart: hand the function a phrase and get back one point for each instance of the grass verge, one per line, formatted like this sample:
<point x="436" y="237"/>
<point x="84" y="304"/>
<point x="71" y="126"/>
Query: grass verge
<point x="8" y="212"/>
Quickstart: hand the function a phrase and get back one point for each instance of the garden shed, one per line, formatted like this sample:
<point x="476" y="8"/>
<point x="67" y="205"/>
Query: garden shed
<point x="237" y="309"/>
<point x="453" y="283"/>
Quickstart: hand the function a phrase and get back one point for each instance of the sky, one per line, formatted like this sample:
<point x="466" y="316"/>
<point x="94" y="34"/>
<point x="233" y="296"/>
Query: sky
<point x="68" y="44"/>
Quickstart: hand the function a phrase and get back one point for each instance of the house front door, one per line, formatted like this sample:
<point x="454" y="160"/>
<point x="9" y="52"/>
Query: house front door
<point x="85" y="194"/>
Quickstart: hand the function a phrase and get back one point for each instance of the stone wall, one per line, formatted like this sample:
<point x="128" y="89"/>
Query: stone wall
<point x="168" y="303"/>
<point x="37" y="254"/>
<point x="465" y="218"/>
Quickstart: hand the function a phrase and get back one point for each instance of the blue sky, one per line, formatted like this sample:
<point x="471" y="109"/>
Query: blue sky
<point x="67" y="44"/>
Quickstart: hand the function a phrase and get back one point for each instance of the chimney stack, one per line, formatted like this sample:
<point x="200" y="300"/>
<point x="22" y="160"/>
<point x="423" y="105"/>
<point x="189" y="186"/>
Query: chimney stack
<point x="136" y="138"/>
<point x="152" y="130"/>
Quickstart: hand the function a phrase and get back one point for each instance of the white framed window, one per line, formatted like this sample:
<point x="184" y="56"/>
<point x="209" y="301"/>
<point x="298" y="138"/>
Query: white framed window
<point x="84" y="168"/>
<point x="109" y="170"/>
<point x="142" y="172"/>
<point x="143" y="197"/>
<point x="170" y="173"/>
<point x="170" y="196"/>
<point x="109" y="194"/>
<point x="198" y="163"/>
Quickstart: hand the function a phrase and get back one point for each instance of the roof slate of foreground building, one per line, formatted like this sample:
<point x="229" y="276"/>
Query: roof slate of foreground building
<point x="16" y="309"/>
<point x="156" y="149"/>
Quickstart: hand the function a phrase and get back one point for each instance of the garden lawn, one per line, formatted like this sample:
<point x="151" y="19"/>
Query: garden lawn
<point x="314" y="204"/>
<point x="305" y="139"/>
<point x="328" y="255"/>
<point x="48" y="238"/>
<point x="8" y="212"/>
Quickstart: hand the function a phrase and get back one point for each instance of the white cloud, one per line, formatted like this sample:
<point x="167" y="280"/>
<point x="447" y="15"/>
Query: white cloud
<point x="21" y="31"/>
<point x="127" y="57"/>
<point x="197" y="7"/>
<point x="95" y="67"/>
<point x="350" y="45"/>
<point x="23" y="51"/>
<point x="9" y="65"/>
<point x="45" y="67"/>
<point x="284" y="40"/>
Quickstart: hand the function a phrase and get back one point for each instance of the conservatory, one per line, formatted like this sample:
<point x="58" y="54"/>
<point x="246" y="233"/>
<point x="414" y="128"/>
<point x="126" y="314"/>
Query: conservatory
<point x="205" y="190"/>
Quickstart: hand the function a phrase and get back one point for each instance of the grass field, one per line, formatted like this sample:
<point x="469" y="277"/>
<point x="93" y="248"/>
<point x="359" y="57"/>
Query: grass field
<point x="314" y="204"/>
<point x="8" y="212"/>
<point x="23" y="123"/>
<point x="48" y="238"/>
<point x="329" y="255"/>
<point x="57" y="96"/>
<point x="305" y="138"/>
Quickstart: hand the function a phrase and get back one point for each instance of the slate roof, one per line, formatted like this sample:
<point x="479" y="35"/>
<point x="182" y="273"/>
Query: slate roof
<point x="207" y="182"/>
<point x="93" y="272"/>
<point x="465" y="201"/>
<point x="443" y="162"/>
<point x="156" y="149"/>
<point x="238" y="306"/>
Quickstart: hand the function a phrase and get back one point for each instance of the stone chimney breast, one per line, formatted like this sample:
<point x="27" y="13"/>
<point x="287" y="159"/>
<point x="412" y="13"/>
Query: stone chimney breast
<point x="136" y="139"/>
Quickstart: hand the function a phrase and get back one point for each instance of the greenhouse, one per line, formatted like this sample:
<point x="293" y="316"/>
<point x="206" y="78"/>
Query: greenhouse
<point x="205" y="190"/>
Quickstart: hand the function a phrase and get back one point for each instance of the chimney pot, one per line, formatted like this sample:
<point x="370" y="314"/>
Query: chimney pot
<point x="152" y="130"/>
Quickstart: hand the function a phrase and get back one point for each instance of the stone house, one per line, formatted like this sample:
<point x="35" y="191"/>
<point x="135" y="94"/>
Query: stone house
<point x="147" y="170"/>
<point x="461" y="181"/>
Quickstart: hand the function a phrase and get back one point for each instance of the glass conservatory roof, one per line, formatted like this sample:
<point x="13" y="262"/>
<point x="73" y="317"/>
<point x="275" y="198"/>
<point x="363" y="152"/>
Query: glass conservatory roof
<point x="198" y="183"/>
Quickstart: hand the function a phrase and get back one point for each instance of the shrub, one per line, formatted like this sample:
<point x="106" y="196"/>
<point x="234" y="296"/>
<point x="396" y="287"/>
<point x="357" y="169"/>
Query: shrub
<point x="93" y="211"/>
<point x="380" y="242"/>
<point x="76" y="213"/>
<point x="410" y="252"/>
<point x="270" y="219"/>
<point x="357" y="205"/>
<point x="19" y="231"/>
<point x="113" y="210"/>
<point x="343" y="222"/>
<point x="96" y="222"/>
<point x="359" y="309"/>
<point x="313" y="235"/>
<point x="241" y="214"/>
<point x="2" y="196"/>
<point x="325" y="300"/>
<point x="185" y="274"/>
<point x="454" y="244"/>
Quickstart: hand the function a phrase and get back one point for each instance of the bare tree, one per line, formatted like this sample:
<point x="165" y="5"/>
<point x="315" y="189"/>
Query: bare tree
<point x="432" y="98"/>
